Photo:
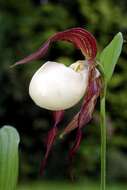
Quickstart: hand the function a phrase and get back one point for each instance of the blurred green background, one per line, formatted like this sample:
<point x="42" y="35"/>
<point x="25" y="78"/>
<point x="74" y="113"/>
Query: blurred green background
<point x="24" y="26"/>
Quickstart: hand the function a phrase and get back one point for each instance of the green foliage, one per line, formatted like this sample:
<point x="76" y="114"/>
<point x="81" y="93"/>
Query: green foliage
<point x="9" y="141"/>
<point x="109" y="56"/>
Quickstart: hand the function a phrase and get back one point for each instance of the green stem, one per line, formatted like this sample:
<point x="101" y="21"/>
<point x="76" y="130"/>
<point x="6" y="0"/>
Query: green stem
<point x="103" y="141"/>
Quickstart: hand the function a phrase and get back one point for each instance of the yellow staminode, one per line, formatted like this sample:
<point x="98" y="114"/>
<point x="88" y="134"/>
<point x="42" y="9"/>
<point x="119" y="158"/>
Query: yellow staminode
<point x="78" y="66"/>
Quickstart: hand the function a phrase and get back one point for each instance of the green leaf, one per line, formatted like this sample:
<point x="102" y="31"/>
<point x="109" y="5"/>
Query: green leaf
<point x="9" y="141"/>
<point x="110" y="55"/>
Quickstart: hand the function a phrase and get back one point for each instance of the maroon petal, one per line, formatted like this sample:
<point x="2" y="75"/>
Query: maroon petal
<point x="74" y="149"/>
<point x="85" y="114"/>
<point x="93" y="91"/>
<point x="50" y="140"/>
<point x="57" y="116"/>
<point x="80" y="37"/>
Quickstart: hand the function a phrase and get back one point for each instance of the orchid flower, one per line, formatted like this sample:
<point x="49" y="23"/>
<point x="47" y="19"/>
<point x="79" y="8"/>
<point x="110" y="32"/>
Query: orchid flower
<point x="57" y="87"/>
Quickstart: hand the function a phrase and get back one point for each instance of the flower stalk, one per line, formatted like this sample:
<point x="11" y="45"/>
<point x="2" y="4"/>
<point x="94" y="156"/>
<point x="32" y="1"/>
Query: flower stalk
<point x="108" y="59"/>
<point x="103" y="138"/>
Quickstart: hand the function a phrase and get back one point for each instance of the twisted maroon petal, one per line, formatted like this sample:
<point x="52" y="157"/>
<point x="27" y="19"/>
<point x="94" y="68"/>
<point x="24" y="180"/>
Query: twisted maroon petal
<point x="88" y="105"/>
<point x="50" y="140"/>
<point x="86" y="111"/>
<point x="78" y="139"/>
<point x="57" y="116"/>
<point x="80" y="37"/>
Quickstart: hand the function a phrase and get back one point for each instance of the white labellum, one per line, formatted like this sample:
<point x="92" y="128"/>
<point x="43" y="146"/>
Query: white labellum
<point x="57" y="87"/>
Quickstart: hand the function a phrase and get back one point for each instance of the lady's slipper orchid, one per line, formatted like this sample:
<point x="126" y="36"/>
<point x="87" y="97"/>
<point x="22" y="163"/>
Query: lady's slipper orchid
<point x="54" y="86"/>
<point x="57" y="87"/>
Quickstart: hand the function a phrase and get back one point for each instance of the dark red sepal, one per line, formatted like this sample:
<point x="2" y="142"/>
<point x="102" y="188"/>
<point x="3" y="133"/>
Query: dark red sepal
<point x="80" y="37"/>
<point x="57" y="116"/>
